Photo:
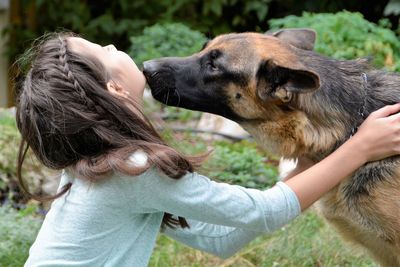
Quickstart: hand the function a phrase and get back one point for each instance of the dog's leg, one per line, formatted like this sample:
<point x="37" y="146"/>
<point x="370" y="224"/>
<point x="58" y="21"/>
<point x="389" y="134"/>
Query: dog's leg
<point x="386" y="254"/>
<point x="382" y="253"/>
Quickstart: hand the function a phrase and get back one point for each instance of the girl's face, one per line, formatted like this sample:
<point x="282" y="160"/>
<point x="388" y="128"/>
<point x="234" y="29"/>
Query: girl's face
<point x="126" y="79"/>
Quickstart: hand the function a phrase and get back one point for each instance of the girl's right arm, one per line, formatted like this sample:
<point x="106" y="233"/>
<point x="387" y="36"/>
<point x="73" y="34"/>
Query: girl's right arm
<point x="248" y="211"/>
<point x="196" y="197"/>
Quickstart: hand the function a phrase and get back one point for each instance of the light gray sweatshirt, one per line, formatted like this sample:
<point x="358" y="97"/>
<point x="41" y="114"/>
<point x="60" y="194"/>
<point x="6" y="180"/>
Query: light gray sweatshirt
<point x="115" y="222"/>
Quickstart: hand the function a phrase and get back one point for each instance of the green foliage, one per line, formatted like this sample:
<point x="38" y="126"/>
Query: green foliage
<point x="107" y="22"/>
<point x="185" y="142"/>
<point x="346" y="35"/>
<point x="241" y="163"/>
<point x="9" y="138"/>
<point x="18" y="230"/>
<point x="180" y="114"/>
<point x="103" y="22"/>
<point x="161" y="40"/>
<point x="33" y="173"/>
<point x="238" y="163"/>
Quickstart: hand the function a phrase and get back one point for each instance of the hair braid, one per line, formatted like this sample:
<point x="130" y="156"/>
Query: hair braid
<point x="63" y="57"/>
<point x="66" y="69"/>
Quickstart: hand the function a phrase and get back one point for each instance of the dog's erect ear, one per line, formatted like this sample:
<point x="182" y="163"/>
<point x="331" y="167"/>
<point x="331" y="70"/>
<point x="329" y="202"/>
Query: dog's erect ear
<point x="280" y="82"/>
<point x="300" y="38"/>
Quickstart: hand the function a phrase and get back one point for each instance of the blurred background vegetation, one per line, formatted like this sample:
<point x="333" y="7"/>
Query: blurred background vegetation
<point x="117" y="21"/>
<point x="149" y="29"/>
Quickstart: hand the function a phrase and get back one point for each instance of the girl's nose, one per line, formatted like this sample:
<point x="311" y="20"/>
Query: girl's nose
<point x="110" y="47"/>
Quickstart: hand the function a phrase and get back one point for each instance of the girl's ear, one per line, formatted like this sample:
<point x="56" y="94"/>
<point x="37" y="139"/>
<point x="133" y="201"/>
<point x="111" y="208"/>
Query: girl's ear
<point x="116" y="89"/>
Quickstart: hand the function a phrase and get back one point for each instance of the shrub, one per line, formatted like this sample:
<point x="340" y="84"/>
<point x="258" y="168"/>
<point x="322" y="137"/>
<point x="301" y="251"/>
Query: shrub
<point x="161" y="40"/>
<point x="346" y="35"/>
<point x="33" y="173"/>
<point x="241" y="163"/>
<point x="18" y="230"/>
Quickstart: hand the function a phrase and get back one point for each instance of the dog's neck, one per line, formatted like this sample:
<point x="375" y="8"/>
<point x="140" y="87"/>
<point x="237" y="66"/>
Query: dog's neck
<point x="350" y="91"/>
<point x="362" y="109"/>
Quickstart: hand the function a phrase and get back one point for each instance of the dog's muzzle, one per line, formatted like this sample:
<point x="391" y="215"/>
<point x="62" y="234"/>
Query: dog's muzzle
<point x="161" y="81"/>
<point x="149" y="68"/>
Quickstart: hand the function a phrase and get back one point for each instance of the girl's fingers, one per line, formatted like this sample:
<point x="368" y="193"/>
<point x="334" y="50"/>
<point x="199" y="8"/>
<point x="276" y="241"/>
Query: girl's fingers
<point x="386" y="111"/>
<point x="395" y="117"/>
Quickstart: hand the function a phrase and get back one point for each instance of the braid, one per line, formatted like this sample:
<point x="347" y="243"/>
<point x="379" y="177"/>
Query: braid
<point x="66" y="69"/>
<point x="71" y="78"/>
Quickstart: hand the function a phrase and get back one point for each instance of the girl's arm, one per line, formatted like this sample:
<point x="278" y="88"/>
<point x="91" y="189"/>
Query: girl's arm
<point x="219" y="240"/>
<point x="248" y="211"/>
<point x="224" y="241"/>
<point x="197" y="197"/>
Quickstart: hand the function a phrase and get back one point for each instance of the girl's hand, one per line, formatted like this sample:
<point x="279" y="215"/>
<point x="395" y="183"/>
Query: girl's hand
<point x="379" y="135"/>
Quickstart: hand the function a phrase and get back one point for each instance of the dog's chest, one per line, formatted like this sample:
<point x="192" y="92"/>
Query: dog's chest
<point x="282" y="138"/>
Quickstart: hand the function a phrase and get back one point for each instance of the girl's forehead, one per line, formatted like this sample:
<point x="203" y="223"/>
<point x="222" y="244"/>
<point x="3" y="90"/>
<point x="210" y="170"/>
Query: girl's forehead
<point x="80" y="45"/>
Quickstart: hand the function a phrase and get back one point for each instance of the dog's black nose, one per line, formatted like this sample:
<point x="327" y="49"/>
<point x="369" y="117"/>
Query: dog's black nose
<point x="149" y="67"/>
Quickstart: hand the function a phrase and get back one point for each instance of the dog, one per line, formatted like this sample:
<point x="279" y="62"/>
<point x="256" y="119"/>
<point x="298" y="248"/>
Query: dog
<point x="297" y="103"/>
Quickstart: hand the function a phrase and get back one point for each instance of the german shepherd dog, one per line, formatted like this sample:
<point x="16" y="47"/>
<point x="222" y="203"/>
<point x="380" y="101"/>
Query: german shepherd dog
<point x="297" y="103"/>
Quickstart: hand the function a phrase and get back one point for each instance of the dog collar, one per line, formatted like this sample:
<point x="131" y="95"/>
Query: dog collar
<point x="361" y="111"/>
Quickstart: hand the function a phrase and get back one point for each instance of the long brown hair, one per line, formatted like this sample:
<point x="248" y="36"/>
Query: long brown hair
<point x="67" y="117"/>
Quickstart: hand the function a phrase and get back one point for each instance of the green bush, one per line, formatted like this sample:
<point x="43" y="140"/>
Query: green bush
<point x="18" y="230"/>
<point x="241" y="163"/>
<point x="346" y="35"/>
<point x="33" y="173"/>
<point x="9" y="139"/>
<point x="182" y="115"/>
<point x="161" y="40"/>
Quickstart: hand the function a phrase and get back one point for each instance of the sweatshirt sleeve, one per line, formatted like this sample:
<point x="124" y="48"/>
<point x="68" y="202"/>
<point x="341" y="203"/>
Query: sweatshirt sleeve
<point x="196" y="197"/>
<point x="219" y="240"/>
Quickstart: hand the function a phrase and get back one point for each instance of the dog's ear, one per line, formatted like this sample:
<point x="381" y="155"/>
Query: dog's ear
<point x="274" y="81"/>
<point x="300" y="38"/>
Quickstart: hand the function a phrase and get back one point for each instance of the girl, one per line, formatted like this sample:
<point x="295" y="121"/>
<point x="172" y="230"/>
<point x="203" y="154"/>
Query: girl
<point x="79" y="110"/>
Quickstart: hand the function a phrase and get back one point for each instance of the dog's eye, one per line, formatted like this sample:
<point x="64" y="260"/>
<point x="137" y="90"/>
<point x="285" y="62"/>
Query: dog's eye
<point x="211" y="66"/>
<point x="212" y="57"/>
<point x="214" y="54"/>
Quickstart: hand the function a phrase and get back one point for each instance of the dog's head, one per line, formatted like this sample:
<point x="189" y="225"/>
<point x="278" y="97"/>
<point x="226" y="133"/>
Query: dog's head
<point x="244" y="76"/>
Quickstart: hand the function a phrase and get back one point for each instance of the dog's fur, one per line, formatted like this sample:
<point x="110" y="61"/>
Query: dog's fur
<point x="297" y="103"/>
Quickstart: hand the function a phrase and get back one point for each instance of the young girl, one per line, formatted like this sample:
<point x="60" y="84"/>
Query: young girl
<point x="79" y="110"/>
